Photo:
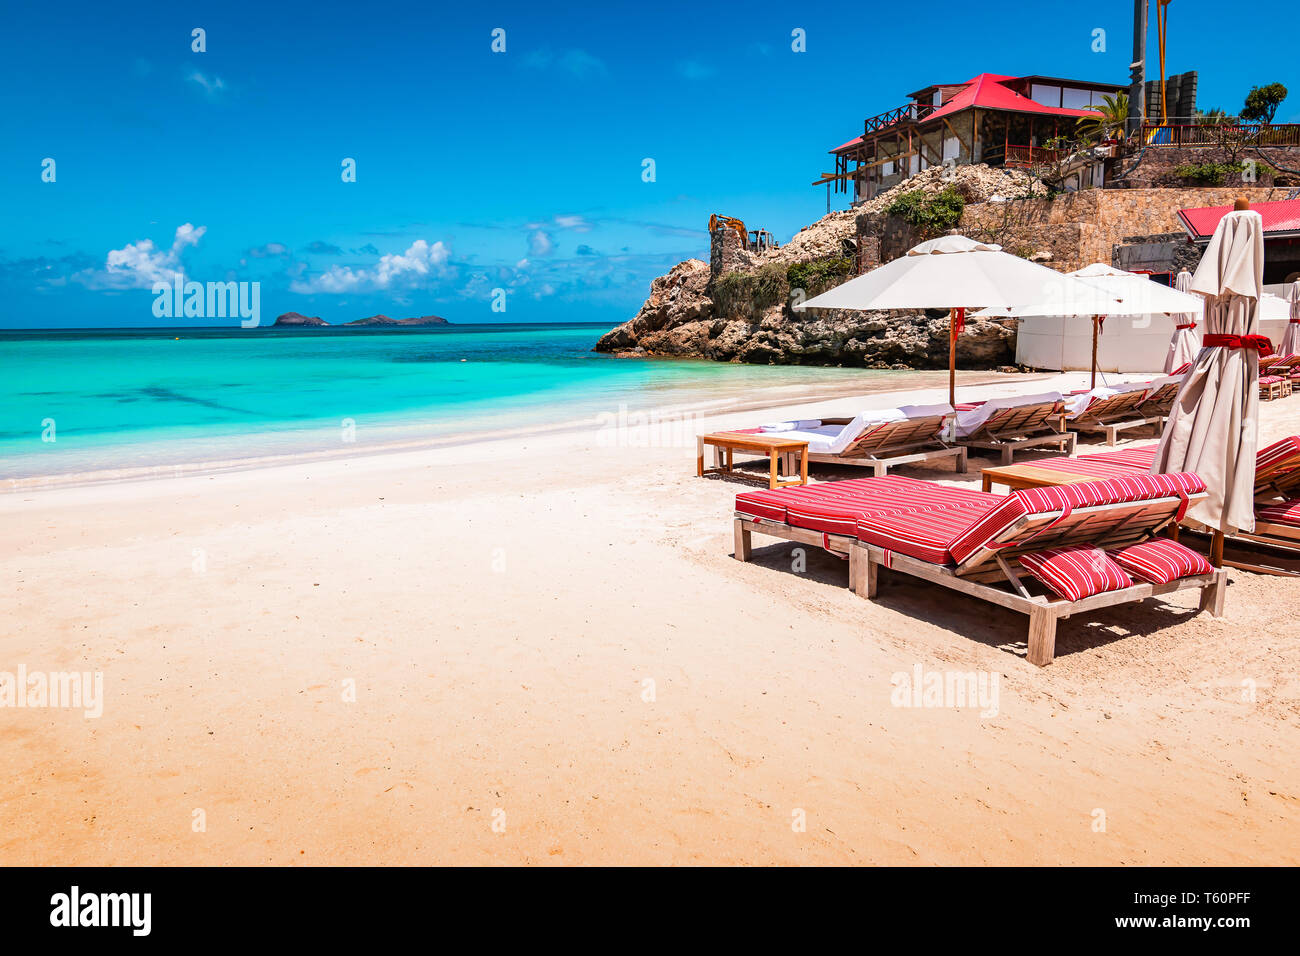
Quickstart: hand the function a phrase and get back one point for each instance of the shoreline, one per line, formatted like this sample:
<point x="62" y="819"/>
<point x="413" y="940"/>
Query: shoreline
<point x="498" y="609"/>
<point x="776" y="396"/>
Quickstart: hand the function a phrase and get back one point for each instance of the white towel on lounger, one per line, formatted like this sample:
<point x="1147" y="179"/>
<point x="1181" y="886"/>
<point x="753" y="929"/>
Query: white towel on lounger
<point x="971" y="421"/>
<point x="833" y="439"/>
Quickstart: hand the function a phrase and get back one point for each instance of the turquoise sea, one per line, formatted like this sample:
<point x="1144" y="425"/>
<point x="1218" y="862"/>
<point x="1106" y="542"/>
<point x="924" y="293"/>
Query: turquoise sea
<point x="75" y="401"/>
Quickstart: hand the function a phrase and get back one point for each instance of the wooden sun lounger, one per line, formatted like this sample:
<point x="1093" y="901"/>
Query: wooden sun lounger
<point x="1115" y="414"/>
<point x="1160" y="403"/>
<point x="989" y="573"/>
<point x="884" y="446"/>
<point x="1277" y="479"/>
<point x="1008" y="430"/>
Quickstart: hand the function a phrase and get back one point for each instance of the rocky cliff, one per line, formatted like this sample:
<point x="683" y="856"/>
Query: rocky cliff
<point x="680" y="319"/>
<point x="742" y="307"/>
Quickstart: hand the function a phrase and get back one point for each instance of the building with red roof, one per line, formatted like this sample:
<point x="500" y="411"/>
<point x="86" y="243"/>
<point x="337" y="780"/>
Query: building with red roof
<point x="990" y="118"/>
<point x="1281" y="234"/>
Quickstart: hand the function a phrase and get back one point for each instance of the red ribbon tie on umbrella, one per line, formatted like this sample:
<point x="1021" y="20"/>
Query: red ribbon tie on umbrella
<point x="1260" y="343"/>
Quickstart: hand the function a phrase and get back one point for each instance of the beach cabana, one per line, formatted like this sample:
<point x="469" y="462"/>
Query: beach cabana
<point x="1213" y="426"/>
<point x="1111" y="291"/>
<point x="955" y="273"/>
<point x="1183" y="346"/>
<point x="1291" y="338"/>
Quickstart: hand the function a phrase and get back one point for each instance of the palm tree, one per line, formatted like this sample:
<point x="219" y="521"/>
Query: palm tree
<point x="1110" y="119"/>
<point x="1212" y="117"/>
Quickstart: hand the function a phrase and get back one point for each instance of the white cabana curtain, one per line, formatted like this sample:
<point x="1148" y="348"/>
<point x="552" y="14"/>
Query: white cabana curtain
<point x="1183" y="346"/>
<point x="1213" y="429"/>
<point x="1291" y="338"/>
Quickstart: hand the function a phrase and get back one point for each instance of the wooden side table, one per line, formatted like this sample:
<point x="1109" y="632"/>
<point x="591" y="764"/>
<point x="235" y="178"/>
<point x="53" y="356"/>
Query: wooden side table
<point x="1017" y="477"/>
<point x="725" y="445"/>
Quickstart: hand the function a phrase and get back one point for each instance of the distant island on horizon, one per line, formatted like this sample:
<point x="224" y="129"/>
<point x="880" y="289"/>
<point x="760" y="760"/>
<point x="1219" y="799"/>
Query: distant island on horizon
<point x="298" y="320"/>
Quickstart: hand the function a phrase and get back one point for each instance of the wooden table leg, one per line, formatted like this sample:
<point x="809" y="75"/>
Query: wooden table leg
<point x="699" y="456"/>
<point x="772" y="480"/>
<point x="803" y="466"/>
<point x="988" y="482"/>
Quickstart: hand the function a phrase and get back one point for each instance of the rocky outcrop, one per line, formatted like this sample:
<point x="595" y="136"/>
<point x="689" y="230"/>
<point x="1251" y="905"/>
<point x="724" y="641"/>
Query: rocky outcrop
<point x="692" y="312"/>
<point x="298" y="319"/>
<point x="424" y="320"/>
<point x="678" y="320"/>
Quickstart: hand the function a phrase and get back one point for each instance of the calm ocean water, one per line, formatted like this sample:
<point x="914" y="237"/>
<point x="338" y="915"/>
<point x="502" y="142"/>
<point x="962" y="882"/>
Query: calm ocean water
<point x="120" y="399"/>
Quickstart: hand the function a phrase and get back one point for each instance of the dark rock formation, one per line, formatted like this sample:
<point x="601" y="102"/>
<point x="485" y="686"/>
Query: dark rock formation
<point x="680" y="320"/>
<point x="298" y="319"/>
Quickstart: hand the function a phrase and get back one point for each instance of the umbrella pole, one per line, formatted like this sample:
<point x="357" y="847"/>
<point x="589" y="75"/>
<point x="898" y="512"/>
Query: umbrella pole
<point x="955" y="318"/>
<point x="1094" y="353"/>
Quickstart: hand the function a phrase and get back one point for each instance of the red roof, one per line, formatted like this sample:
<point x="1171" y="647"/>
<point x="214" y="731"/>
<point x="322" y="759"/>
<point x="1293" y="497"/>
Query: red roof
<point x="988" y="91"/>
<point x="1281" y="217"/>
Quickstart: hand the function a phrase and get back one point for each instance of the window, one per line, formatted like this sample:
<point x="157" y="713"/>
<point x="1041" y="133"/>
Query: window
<point x="938" y="98"/>
<point x="1045" y="95"/>
<point x="951" y="148"/>
<point x="1078" y="99"/>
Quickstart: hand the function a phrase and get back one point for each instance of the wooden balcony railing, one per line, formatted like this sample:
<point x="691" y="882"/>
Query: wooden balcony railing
<point x="1195" y="134"/>
<point x="1020" y="156"/>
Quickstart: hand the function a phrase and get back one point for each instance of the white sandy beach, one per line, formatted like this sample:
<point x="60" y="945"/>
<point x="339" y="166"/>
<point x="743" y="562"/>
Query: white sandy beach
<point x="550" y="633"/>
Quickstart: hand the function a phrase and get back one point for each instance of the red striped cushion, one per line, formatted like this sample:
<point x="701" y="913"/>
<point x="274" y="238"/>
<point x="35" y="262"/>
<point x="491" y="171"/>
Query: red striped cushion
<point x="1182" y="369"/>
<point x="926" y="535"/>
<point x="1161" y="560"/>
<point x="1284" y="512"/>
<point x="1076" y="572"/>
<point x="1281" y="456"/>
<point x="1033" y="501"/>
<point x="1270" y="379"/>
<point x="835" y="506"/>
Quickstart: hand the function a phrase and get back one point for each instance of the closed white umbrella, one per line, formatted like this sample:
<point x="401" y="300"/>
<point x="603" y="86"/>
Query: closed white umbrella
<point x="1291" y="338"/>
<point x="1213" y="428"/>
<point x="1111" y="291"/>
<point x="954" y="273"/>
<point x="1183" y="346"/>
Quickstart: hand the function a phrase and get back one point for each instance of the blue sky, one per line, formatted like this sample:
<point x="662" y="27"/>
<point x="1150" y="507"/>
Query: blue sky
<point x="477" y="170"/>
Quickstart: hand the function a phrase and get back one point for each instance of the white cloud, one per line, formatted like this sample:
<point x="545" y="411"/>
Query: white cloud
<point x="212" y="86"/>
<point x="540" y="243"/>
<point x="419" y="262"/>
<point x="138" y="265"/>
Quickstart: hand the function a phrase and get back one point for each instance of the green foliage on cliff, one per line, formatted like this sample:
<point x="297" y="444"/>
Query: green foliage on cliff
<point x="1213" y="174"/>
<point x="819" y="275"/>
<point x="748" y="294"/>
<point x="931" y="215"/>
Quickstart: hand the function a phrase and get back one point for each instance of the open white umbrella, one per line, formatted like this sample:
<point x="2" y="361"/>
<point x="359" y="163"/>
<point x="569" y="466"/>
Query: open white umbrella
<point x="954" y="273"/>
<point x="1111" y="291"/>
<point x="1183" y="346"/>
<point x="1213" y="428"/>
<point x="1291" y="338"/>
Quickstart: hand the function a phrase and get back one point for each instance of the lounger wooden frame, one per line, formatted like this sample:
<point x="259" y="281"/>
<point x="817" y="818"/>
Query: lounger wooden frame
<point x="1115" y="414"/>
<point x="1160" y="403"/>
<point x="884" y="446"/>
<point x="1008" y="430"/>
<point x="989" y="574"/>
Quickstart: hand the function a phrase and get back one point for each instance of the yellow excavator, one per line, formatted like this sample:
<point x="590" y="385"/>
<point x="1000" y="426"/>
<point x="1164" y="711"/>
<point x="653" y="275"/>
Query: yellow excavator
<point x="752" y="240"/>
